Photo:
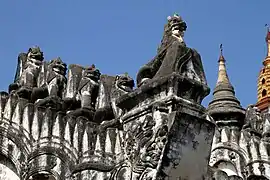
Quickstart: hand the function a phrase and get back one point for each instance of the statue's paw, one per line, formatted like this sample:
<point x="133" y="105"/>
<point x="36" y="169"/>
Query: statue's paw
<point x="110" y="123"/>
<point x="144" y="81"/>
<point x="88" y="109"/>
<point x="85" y="112"/>
<point x="71" y="104"/>
<point x="69" y="100"/>
<point x="52" y="102"/>
<point x="24" y="92"/>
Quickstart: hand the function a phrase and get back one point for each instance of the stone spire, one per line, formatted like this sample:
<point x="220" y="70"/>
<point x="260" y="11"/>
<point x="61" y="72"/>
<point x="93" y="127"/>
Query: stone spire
<point x="263" y="91"/>
<point x="224" y="102"/>
<point x="222" y="73"/>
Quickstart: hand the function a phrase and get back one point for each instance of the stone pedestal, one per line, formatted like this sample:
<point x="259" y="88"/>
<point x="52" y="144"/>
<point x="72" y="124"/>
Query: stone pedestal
<point x="187" y="151"/>
<point x="166" y="133"/>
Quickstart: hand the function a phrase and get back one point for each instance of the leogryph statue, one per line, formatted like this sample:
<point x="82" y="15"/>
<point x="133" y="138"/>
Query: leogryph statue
<point x="27" y="72"/>
<point x="51" y="92"/>
<point x="87" y="93"/>
<point x="173" y="55"/>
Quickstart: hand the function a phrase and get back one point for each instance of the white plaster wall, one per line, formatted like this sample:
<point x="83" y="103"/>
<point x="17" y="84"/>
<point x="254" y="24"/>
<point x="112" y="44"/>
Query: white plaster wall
<point x="7" y="174"/>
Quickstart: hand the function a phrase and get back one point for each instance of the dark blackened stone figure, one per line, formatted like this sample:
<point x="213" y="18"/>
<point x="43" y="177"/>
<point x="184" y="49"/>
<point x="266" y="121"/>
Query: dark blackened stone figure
<point x="87" y="93"/>
<point x="173" y="56"/>
<point x="253" y="120"/>
<point x="50" y="93"/>
<point x="110" y="89"/>
<point x="28" y="68"/>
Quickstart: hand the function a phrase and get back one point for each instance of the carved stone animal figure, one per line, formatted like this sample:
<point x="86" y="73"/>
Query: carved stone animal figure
<point x="253" y="120"/>
<point x="108" y="94"/>
<point x="123" y="85"/>
<point x="56" y="80"/>
<point x="87" y="92"/>
<point x="88" y="87"/>
<point x="27" y="72"/>
<point x="173" y="56"/>
<point x="51" y="92"/>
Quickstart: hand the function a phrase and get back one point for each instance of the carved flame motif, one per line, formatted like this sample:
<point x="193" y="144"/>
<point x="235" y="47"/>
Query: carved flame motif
<point x="144" y="145"/>
<point x="155" y="147"/>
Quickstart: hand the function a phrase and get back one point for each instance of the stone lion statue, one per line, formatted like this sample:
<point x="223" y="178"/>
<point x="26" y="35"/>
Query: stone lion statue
<point x="173" y="56"/>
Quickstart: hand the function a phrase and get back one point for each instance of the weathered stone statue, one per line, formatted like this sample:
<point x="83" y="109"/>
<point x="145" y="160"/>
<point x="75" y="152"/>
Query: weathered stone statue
<point x="108" y="93"/>
<point x="173" y="56"/>
<point x="253" y="120"/>
<point x="27" y="72"/>
<point x="89" y="86"/>
<point x="56" y="79"/>
<point x="123" y="84"/>
<point x="87" y="92"/>
<point x="163" y="121"/>
<point x="50" y="93"/>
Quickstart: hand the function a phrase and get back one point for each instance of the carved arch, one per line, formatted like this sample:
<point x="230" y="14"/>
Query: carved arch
<point x="44" y="175"/>
<point x="227" y="167"/>
<point x="8" y="169"/>
<point x="254" y="177"/>
<point x="234" y="177"/>
<point x="14" y="150"/>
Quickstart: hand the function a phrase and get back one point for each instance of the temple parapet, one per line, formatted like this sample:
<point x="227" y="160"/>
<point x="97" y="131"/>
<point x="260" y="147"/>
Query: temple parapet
<point x="62" y="123"/>
<point x="243" y="151"/>
<point x="173" y="87"/>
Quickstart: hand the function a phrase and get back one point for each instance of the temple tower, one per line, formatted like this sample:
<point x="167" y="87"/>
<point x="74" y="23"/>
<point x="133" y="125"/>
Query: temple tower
<point x="227" y="112"/>
<point x="224" y="102"/>
<point x="264" y="79"/>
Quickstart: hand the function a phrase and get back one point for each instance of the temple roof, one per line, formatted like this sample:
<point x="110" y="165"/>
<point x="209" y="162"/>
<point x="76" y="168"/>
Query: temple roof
<point x="224" y="101"/>
<point x="263" y="91"/>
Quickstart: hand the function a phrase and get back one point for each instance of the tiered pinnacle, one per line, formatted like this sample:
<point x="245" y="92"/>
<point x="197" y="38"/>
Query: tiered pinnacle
<point x="224" y="102"/>
<point x="264" y="79"/>
<point x="222" y="73"/>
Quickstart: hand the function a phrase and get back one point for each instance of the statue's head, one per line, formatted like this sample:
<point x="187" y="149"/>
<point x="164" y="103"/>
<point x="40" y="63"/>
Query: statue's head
<point x="35" y="53"/>
<point x="176" y="26"/>
<point x="174" y="30"/>
<point x="252" y="109"/>
<point x="58" y="66"/>
<point x="124" y="82"/>
<point x="92" y="73"/>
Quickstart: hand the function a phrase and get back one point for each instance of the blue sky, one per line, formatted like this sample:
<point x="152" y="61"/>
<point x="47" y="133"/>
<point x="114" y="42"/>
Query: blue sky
<point x="120" y="36"/>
